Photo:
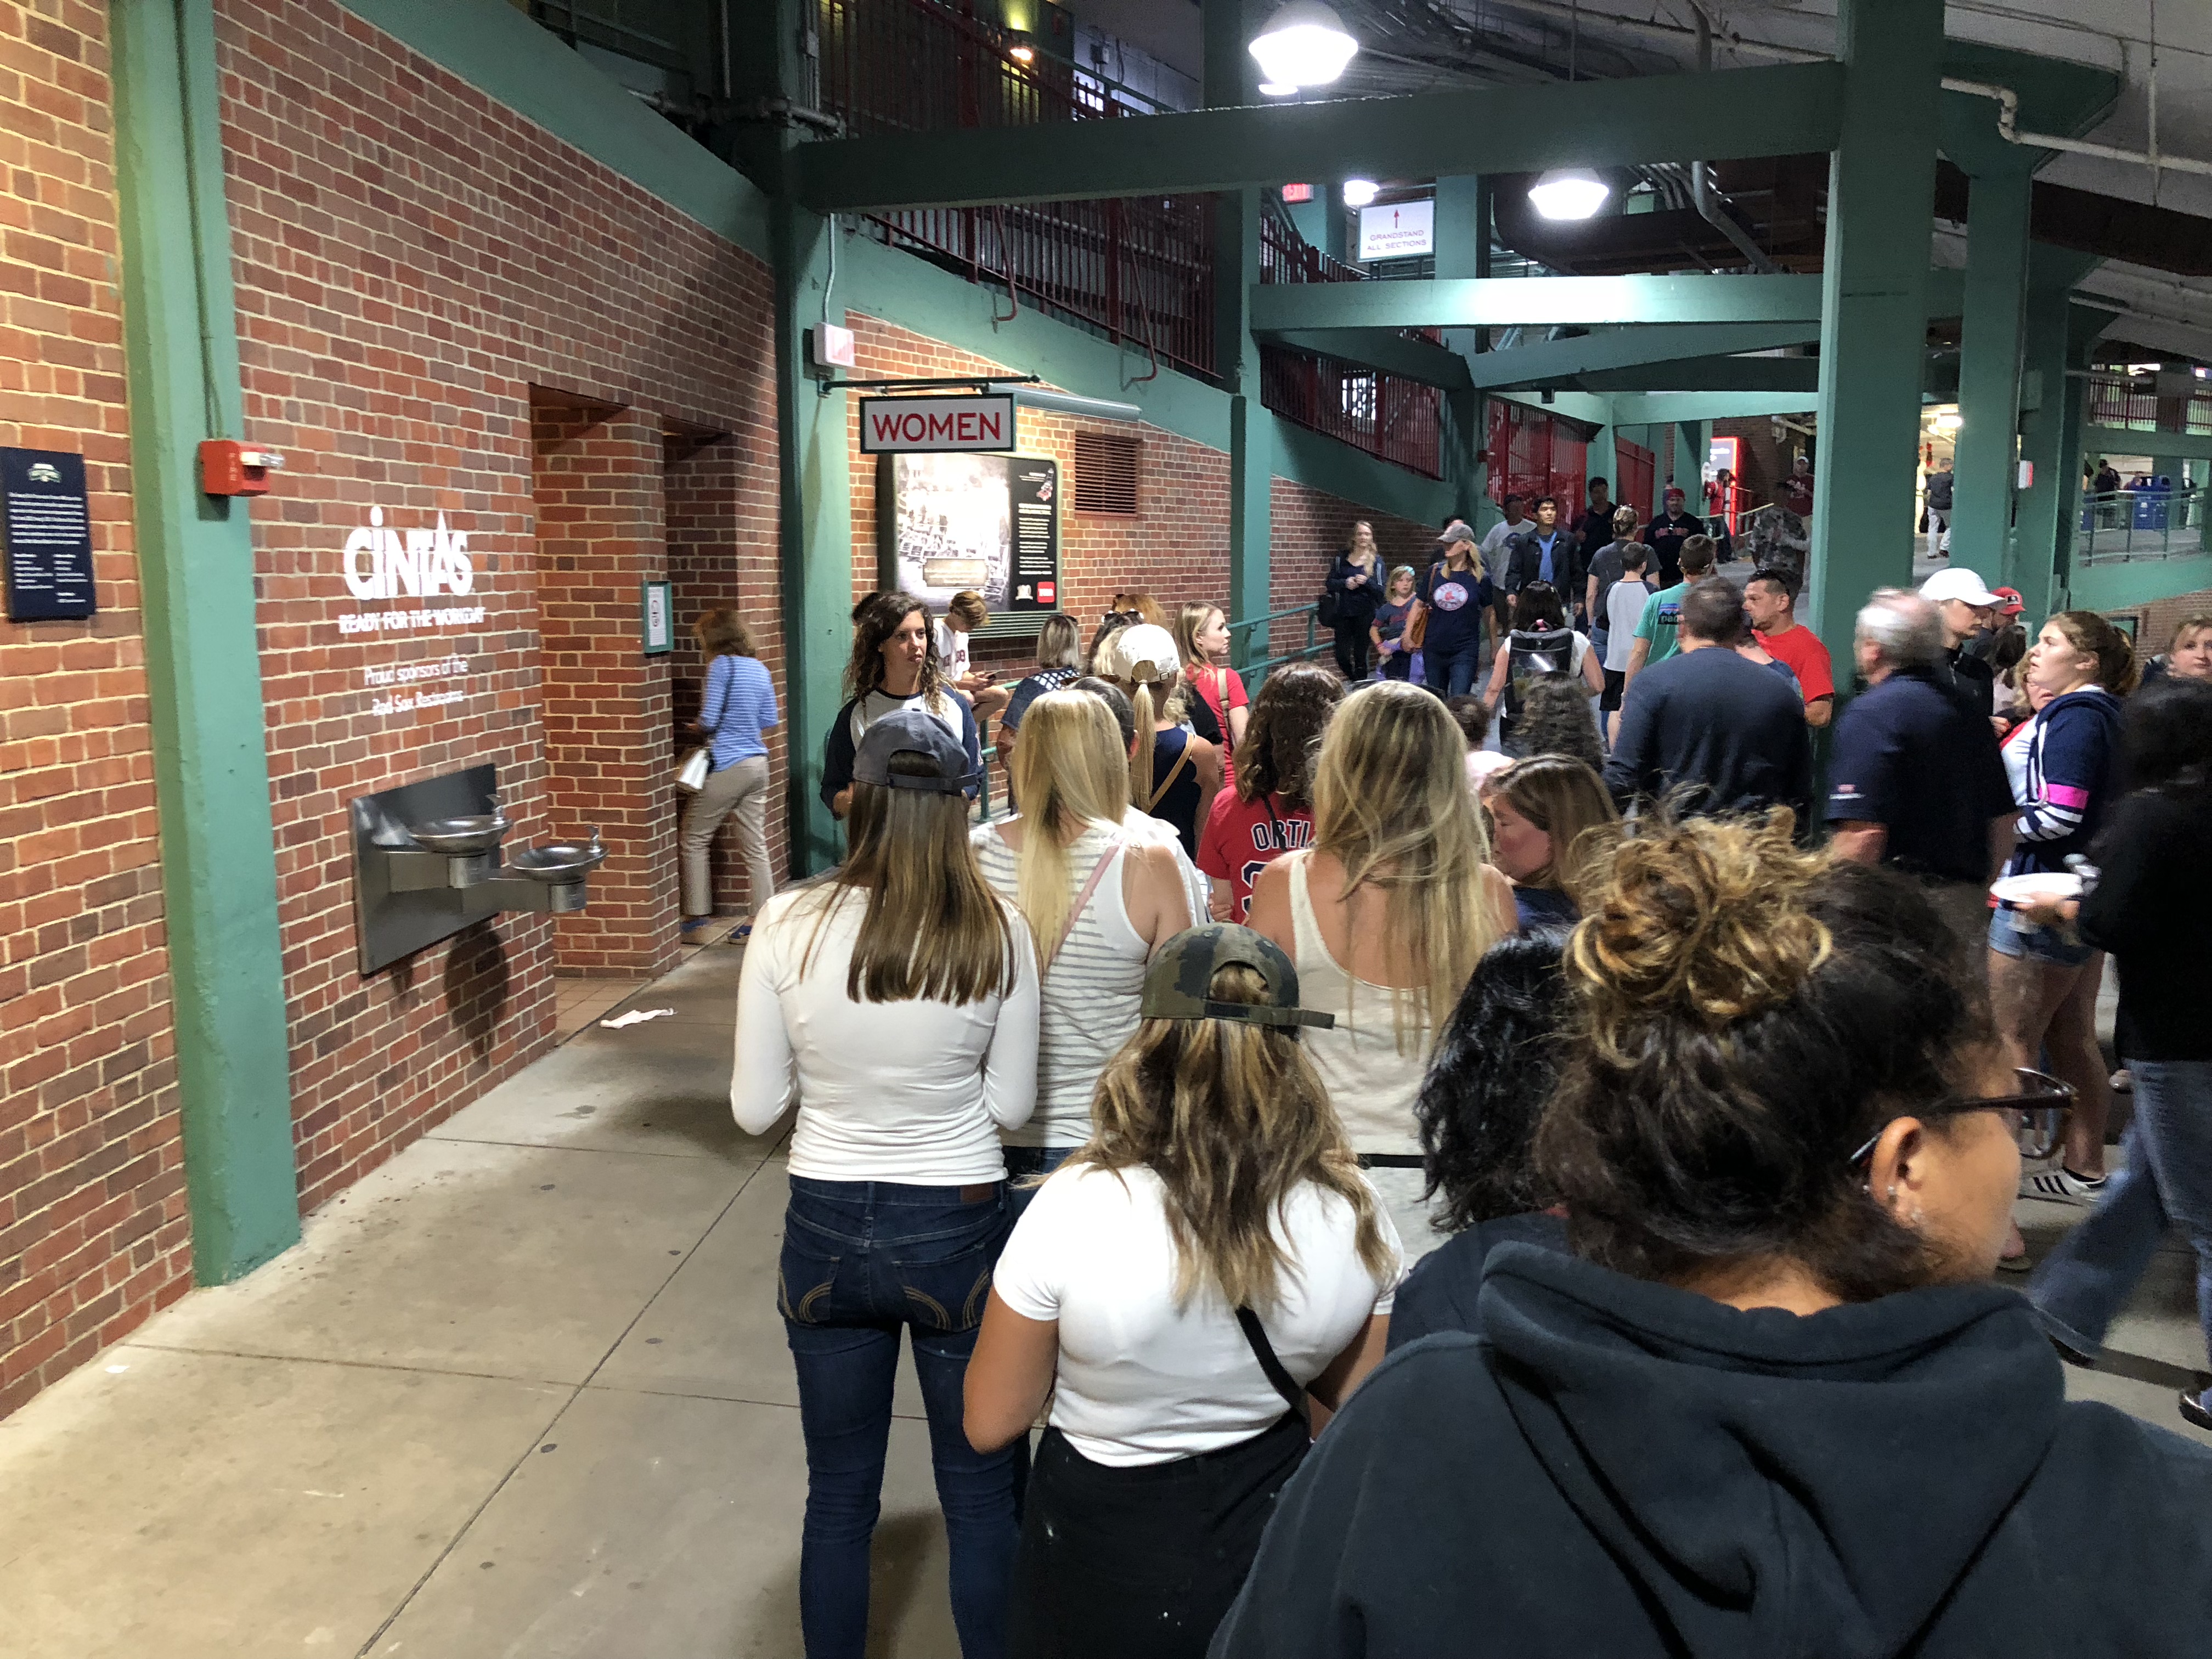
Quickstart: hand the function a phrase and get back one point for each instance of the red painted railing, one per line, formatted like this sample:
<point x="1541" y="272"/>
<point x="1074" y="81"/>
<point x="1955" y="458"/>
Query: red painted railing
<point x="1392" y="419"/>
<point x="1138" y="269"/>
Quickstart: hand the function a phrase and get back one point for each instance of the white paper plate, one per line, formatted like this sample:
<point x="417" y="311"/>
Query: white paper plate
<point x="2026" y="890"/>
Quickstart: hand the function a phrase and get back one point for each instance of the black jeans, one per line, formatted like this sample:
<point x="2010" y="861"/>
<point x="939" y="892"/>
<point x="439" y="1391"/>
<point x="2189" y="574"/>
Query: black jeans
<point x="1353" y="650"/>
<point x="862" y="1259"/>
<point x="1119" y="1562"/>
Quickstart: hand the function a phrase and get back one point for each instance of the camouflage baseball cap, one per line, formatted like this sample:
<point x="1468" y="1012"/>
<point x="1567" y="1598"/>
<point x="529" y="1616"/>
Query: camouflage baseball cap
<point x="1175" y="984"/>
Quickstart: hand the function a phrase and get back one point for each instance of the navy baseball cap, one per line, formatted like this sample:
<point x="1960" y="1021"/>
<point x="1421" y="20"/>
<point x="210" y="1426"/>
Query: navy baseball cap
<point x="910" y="731"/>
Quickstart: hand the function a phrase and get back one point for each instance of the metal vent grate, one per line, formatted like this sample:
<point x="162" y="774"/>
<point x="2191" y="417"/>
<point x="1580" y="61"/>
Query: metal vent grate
<point x="1106" y="473"/>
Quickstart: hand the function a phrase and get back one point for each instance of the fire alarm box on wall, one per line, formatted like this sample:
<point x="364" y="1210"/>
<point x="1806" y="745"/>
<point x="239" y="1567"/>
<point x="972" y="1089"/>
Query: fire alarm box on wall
<point x="227" y="467"/>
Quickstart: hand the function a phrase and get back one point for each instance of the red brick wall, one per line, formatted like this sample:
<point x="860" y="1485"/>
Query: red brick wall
<point x="92" y="1234"/>
<point x="1311" y="526"/>
<point x="2155" y="622"/>
<point x="412" y="259"/>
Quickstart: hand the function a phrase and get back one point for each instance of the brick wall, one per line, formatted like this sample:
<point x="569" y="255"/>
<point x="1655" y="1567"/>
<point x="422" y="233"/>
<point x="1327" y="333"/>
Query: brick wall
<point x="1311" y="527"/>
<point x="92" y="1233"/>
<point x="2155" y="622"/>
<point x="412" y="259"/>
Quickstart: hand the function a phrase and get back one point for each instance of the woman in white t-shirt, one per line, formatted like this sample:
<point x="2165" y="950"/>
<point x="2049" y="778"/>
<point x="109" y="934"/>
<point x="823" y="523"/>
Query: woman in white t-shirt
<point x="1097" y="902"/>
<point x="1176" y="1288"/>
<point x="895" y="1004"/>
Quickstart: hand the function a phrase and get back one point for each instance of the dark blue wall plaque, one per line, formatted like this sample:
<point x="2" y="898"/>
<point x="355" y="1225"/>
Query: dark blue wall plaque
<point x="47" y="525"/>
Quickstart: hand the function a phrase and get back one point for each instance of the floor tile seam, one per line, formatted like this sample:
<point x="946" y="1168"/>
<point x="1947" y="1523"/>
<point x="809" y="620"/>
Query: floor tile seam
<point x="723" y="1398"/>
<point x="474" y="1515"/>
<point x="137" y="1341"/>
<point x="558" y="1147"/>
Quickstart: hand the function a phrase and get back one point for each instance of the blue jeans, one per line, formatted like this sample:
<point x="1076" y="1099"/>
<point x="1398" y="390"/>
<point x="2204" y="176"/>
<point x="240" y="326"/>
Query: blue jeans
<point x="1452" y="674"/>
<point x="2166" y="1181"/>
<point x="860" y="1260"/>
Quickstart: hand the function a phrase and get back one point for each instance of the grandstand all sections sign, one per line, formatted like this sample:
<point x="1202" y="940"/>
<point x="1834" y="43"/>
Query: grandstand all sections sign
<point x="936" y="426"/>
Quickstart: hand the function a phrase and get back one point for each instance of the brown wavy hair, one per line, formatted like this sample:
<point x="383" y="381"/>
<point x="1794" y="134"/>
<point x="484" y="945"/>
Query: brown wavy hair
<point x="1746" y="1017"/>
<point x="2093" y="636"/>
<point x="1233" y="1118"/>
<point x="876" y="619"/>
<point x="1289" y="717"/>
<point x="722" y="633"/>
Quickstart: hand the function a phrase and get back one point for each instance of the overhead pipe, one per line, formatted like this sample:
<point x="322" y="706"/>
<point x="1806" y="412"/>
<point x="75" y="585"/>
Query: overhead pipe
<point x="2008" y="102"/>
<point x="1709" y="210"/>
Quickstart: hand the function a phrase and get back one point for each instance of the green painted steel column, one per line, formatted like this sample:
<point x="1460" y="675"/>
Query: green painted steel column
<point x="813" y="460"/>
<point x="1989" y="365"/>
<point x="1693" y="441"/>
<point x="1873" y="309"/>
<point x="202" y="660"/>
<point x="1463" y="249"/>
<point x="2057" y="334"/>
<point x="1229" y="81"/>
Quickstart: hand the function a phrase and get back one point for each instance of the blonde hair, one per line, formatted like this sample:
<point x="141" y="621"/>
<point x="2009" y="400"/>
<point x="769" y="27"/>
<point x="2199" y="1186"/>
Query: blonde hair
<point x="1570" y="803"/>
<point x="1189" y="621"/>
<point x="1143" y="661"/>
<point x="1233" y="1120"/>
<point x="1391" y="805"/>
<point x="934" y="931"/>
<point x="1067" y="773"/>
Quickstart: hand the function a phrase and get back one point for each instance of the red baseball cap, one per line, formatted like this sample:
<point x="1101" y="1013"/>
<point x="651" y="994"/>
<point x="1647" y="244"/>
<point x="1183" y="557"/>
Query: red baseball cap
<point x="2013" y="605"/>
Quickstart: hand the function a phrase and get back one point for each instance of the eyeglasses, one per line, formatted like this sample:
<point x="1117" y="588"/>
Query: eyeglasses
<point x="2035" y="1115"/>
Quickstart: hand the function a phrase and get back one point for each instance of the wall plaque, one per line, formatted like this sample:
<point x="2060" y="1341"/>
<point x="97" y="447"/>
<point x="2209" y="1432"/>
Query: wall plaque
<point x="47" y="521"/>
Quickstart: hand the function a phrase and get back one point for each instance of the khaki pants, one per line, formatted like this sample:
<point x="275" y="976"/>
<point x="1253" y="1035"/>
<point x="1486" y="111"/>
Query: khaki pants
<point x="739" y="787"/>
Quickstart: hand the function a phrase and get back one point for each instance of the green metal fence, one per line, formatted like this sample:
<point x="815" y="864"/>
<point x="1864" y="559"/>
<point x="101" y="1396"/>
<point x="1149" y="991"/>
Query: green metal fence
<point x="1255" y="668"/>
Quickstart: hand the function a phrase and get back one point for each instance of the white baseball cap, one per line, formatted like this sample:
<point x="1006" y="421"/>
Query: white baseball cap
<point x="1961" y="585"/>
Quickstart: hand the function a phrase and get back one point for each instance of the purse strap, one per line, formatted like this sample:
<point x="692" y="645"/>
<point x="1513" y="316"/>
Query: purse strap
<point x="1256" y="1337"/>
<point x="1083" y="898"/>
<point x="1167" y="782"/>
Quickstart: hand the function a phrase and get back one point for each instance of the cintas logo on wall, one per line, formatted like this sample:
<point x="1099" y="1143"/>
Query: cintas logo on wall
<point x="383" y="561"/>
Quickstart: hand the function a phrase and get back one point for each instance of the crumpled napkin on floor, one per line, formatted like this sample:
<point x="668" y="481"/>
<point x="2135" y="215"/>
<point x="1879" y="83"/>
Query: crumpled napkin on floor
<point x="635" y="1017"/>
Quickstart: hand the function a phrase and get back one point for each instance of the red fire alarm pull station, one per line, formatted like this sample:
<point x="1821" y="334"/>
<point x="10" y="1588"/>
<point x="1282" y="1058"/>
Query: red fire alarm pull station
<point x="229" y="467"/>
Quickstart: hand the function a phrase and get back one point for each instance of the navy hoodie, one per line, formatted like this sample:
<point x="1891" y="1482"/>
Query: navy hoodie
<point x="2073" y="758"/>
<point x="1615" y="1468"/>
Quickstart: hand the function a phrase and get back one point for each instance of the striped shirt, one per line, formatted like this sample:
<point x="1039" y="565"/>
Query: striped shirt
<point x="1091" y="993"/>
<point x="739" y="700"/>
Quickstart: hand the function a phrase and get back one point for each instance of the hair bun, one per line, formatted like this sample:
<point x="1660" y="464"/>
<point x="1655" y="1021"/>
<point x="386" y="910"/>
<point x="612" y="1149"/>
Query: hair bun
<point x="1703" y="920"/>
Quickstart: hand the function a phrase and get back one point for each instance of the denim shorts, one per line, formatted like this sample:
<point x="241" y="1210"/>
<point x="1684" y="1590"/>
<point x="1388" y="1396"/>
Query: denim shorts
<point x="2012" y="935"/>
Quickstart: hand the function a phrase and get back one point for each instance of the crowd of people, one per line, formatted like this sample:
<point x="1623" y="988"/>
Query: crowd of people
<point x="1403" y="1187"/>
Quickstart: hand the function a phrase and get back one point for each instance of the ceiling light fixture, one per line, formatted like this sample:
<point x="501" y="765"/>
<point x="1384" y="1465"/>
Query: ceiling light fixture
<point x="1303" y="45"/>
<point x="1277" y="88"/>
<point x="1569" y="193"/>
<point x="1360" y="192"/>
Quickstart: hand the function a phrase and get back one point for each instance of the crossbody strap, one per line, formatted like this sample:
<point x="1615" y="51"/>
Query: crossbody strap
<point x="1255" y="1334"/>
<point x="1167" y="782"/>
<point x="1083" y="899"/>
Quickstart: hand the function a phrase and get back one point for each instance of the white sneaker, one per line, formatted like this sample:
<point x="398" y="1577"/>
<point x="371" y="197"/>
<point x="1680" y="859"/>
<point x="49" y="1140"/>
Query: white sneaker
<point x="2061" y="1186"/>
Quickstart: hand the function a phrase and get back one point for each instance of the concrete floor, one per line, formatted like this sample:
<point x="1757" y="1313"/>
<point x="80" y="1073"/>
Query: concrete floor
<point x="524" y="1393"/>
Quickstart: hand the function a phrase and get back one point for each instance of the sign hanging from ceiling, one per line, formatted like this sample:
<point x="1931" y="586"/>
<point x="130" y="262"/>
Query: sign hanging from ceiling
<point x="936" y="426"/>
<point x="1398" y="230"/>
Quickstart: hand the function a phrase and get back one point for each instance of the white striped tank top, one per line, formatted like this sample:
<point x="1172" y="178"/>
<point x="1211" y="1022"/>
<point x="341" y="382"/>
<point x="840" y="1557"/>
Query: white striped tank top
<point x="1091" y="993"/>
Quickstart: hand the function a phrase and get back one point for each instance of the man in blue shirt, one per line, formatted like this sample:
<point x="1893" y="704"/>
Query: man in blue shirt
<point x="1915" y="780"/>
<point x="1544" y="552"/>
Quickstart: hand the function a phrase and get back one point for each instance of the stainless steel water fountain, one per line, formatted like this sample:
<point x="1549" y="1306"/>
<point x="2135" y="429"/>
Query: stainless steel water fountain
<point x="428" y="861"/>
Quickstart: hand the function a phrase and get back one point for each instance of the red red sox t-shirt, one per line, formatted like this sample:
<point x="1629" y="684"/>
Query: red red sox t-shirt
<point x="1242" y="838"/>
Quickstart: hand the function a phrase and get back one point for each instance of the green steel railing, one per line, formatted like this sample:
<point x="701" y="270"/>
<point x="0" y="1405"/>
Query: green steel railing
<point x="1255" y="668"/>
<point x="2124" y="525"/>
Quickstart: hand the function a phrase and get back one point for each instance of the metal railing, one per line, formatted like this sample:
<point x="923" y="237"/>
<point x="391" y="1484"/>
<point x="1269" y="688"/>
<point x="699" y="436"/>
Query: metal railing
<point x="1388" y="417"/>
<point x="1140" y="270"/>
<point x="2133" y="401"/>
<point x="1255" y="668"/>
<point x="2140" y="524"/>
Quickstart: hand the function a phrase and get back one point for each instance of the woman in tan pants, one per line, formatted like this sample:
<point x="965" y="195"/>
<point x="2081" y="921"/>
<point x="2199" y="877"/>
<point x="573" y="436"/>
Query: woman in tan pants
<point x="735" y="712"/>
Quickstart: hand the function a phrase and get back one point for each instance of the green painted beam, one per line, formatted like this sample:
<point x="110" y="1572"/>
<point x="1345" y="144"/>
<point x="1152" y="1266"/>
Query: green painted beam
<point x="202" y="660"/>
<point x="1564" y="301"/>
<point x="1565" y="361"/>
<point x="1875" y="307"/>
<point x="1385" y="349"/>
<point x="2122" y="585"/>
<point x="1784" y="110"/>
<point x="497" y="50"/>
<point x="1575" y="405"/>
<point x="1650" y="407"/>
<point x="2129" y="441"/>
<point x="1989" y="362"/>
<point x="1763" y="375"/>
<point x="1231" y="74"/>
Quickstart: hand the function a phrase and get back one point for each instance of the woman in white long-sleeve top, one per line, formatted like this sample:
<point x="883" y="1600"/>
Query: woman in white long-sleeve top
<point x="895" y="1004"/>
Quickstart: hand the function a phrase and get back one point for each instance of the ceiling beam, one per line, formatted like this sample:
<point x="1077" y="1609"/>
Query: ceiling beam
<point x="1780" y="109"/>
<point x="1710" y="375"/>
<point x="1539" y="301"/>
<point x="2128" y="440"/>
<point x="1385" y="349"/>
<point x="1651" y="408"/>
<point x="1563" y="362"/>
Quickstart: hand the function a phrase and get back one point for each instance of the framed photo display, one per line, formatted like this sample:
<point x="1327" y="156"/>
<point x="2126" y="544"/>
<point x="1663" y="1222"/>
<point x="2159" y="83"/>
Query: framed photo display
<point x="947" y="524"/>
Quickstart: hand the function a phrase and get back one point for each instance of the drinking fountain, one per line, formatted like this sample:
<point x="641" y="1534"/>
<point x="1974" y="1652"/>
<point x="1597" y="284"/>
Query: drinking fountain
<point x="428" y="860"/>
